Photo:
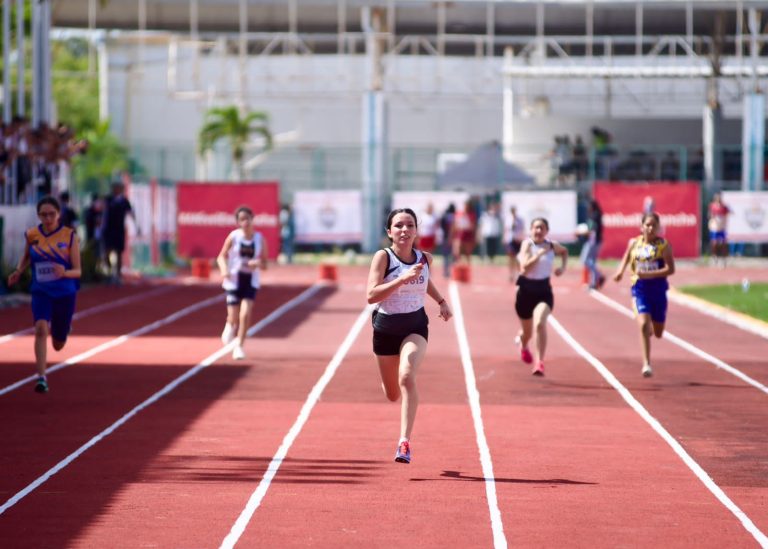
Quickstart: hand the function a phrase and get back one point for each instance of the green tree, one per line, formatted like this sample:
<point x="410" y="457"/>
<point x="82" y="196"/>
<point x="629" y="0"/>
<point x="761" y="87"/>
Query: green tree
<point x="75" y="90"/>
<point x="228" y="123"/>
<point x="106" y="156"/>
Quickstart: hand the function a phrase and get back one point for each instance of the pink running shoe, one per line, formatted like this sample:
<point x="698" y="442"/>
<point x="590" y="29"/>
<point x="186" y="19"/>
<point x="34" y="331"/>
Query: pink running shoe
<point x="526" y="356"/>
<point x="403" y="454"/>
<point x="538" y="370"/>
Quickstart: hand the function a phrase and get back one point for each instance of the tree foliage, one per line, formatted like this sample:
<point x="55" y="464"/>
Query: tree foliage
<point x="228" y="123"/>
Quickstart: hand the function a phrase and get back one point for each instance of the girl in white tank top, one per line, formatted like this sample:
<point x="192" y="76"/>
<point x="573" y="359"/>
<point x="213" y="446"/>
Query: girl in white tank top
<point x="242" y="257"/>
<point x="398" y="281"/>
<point x="534" y="300"/>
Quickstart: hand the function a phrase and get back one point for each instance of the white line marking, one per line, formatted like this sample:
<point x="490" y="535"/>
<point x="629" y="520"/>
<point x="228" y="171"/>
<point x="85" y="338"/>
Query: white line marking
<point x="93" y="310"/>
<point x="314" y="395"/>
<point x="702" y="475"/>
<point x="499" y="540"/>
<point x="157" y="396"/>
<point x="117" y="341"/>
<point x="720" y="313"/>
<point x="685" y="345"/>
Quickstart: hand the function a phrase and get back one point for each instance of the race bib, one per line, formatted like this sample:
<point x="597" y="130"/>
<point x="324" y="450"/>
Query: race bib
<point x="45" y="271"/>
<point x="647" y="266"/>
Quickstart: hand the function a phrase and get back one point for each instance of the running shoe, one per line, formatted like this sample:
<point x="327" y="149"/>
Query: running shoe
<point x="403" y="454"/>
<point x="228" y="334"/>
<point x="41" y="386"/>
<point x="525" y="355"/>
<point x="238" y="353"/>
<point x="647" y="370"/>
<point x="538" y="370"/>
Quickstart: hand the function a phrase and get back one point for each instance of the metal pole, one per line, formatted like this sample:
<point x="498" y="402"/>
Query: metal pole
<point x="20" y="97"/>
<point x="508" y="133"/>
<point x="639" y="30"/>
<point x="103" y="68"/>
<point x="91" y="26"/>
<point x="35" y="64"/>
<point x="590" y="24"/>
<point x="243" y="52"/>
<point x="7" y="99"/>
<point x="490" y="28"/>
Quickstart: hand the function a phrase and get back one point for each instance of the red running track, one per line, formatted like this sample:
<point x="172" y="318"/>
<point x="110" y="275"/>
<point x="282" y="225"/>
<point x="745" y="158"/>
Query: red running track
<point x="573" y="464"/>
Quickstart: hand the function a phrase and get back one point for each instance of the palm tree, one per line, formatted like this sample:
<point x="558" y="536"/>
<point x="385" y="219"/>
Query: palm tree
<point x="228" y="123"/>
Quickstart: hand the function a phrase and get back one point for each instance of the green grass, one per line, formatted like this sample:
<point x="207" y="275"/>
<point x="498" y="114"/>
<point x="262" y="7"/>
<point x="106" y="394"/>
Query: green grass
<point x="753" y="302"/>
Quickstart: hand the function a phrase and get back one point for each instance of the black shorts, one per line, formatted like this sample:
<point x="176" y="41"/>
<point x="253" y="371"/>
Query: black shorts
<point x="244" y="290"/>
<point x="389" y="331"/>
<point x="530" y="293"/>
<point x="514" y="246"/>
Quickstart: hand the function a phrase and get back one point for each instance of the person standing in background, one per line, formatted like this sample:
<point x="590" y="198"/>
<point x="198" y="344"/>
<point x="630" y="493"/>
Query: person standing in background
<point x="427" y="230"/>
<point x="717" y="224"/>
<point x="517" y="234"/>
<point x="116" y="209"/>
<point x="69" y="217"/>
<point x="591" y="249"/>
<point x="491" y="231"/>
<point x="287" y="232"/>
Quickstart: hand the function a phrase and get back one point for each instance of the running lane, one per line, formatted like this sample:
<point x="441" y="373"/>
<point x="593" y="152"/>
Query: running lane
<point x="340" y="485"/>
<point x="574" y="464"/>
<point x="39" y="431"/>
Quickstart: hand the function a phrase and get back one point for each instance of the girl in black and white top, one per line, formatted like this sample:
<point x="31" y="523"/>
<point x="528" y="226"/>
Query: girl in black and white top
<point x="535" y="300"/>
<point x="398" y="281"/>
<point x="242" y="256"/>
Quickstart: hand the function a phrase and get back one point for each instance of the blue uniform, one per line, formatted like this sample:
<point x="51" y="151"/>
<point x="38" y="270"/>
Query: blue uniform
<point x="649" y="296"/>
<point x="53" y="298"/>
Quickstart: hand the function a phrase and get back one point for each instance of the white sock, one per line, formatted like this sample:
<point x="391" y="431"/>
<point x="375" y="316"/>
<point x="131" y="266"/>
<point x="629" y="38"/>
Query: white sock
<point x="403" y="439"/>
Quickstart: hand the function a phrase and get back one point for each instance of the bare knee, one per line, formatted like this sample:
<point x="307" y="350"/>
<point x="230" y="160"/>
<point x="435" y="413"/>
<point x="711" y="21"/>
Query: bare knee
<point x="41" y="329"/>
<point x="407" y="380"/>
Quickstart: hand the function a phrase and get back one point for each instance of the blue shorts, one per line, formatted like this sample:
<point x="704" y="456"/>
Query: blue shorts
<point x="717" y="236"/>
<point x="58" y="311"/>
<point x="650" y="301"/>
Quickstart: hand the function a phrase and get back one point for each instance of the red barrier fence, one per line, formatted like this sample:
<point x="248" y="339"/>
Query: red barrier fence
<point x="678" y="205"/>
<point x="206" y="215"/>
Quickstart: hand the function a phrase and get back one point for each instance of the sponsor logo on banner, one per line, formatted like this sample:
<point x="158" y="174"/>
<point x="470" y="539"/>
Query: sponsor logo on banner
<point x="223" y="219"/>
<point x="754" y="216"/>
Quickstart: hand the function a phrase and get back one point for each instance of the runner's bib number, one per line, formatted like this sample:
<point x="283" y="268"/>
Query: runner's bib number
<point x="45" y="271"/>
<point x="647" y="266"/>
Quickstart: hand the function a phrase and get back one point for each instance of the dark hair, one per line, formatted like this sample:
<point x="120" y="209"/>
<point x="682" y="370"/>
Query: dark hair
<point x="393" y="213"/>
<point x="241" y="209"/>
<point x="654" y="215"/>
<point x="595" y="205"/>
<point x="543" y="220"/>
<point x="64" y="196"/>
<point x="48" y="200"/>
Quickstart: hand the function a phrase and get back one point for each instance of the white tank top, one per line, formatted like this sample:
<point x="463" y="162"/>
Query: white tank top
<point x="543" y="267"/>
<point x="242" y="251"/>
<point x="408" y="297"/>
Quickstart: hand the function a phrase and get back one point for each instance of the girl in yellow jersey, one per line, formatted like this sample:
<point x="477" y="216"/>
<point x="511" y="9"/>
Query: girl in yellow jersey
<point x="651" y="260"/>
<point x="53" y="251"/>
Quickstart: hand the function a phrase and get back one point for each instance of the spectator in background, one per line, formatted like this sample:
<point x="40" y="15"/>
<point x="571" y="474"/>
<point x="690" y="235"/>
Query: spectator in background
<point x="591" y="249"/>
<point x="287" y="232"/>
<point x="580" y="159"/>
<point x="717" y="223"/>
<point x="446" y="227"/>
<point x="491" y="231"/>
<point x="116" y="209"/>
<point x="427" y="230"/>
<point x="465" y="232"/>
<point x="517" y="234"/>
<point x="69" y="217"/>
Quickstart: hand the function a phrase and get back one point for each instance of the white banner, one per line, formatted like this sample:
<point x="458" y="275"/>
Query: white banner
<point x="333" y="217"/>
<point x="748" y="220"/>
<point x="557" y="207"/>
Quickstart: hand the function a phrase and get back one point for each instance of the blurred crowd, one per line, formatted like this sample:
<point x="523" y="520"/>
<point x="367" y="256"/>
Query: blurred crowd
<point x="35" y="161"/>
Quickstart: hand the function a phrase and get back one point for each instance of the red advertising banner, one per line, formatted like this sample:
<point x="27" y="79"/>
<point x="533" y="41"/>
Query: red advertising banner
<point x="678" y="206"/>
<point x="206" y="215"/>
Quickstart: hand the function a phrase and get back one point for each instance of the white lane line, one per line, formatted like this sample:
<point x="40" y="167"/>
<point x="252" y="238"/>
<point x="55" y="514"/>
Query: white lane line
<point x="685" y="345"/>
<point x="499" y="540"/>
<point x="118" y="341"/>
<point x="314" y="395"/>
<point x="702" y="475"/>
<point x="274" y="315"/>
<point x="93" y="310"/>
<point x="733" y="318"/>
